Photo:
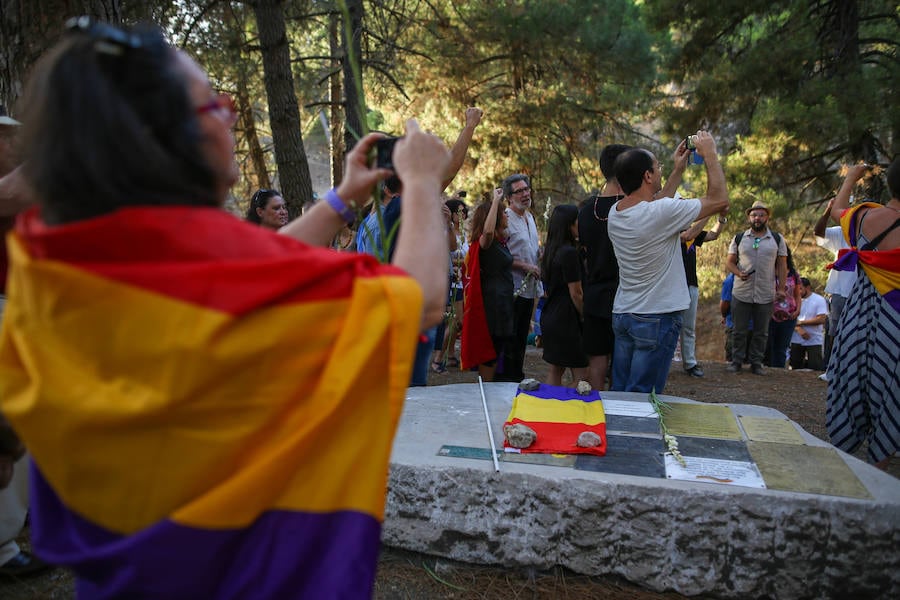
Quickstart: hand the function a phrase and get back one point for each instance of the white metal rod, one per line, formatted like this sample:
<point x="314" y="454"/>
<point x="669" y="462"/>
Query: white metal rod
<point x="487" y="421"/>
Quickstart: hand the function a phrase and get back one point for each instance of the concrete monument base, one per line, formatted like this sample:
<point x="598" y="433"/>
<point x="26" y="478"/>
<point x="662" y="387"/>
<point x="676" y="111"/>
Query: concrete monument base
<point x="664" y="534"/>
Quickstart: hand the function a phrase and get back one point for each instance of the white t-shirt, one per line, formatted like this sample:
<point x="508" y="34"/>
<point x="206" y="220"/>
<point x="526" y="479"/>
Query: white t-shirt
<point x="523" y="245"/>
<point x="811" y="307"/>
<point x="839" y="282"/>
<point x="648" y="248"/>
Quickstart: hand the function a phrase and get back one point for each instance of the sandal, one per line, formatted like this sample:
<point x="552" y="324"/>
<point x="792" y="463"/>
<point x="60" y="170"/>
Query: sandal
<point x="453" y="362"/>
<point x="438" y="367"/>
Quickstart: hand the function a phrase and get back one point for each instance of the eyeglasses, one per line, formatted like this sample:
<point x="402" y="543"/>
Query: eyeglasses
<point x="520" y="191"/>
<point x="756" y="244"/>
<point x="220" y="102"/>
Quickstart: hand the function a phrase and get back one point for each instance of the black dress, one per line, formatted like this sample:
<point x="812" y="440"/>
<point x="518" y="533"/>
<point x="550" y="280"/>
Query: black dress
<point x="497" y="290"/>
<point x="560" y="321"/>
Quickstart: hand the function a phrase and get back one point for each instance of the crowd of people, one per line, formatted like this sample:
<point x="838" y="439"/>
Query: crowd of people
<point x="260" y="346"/>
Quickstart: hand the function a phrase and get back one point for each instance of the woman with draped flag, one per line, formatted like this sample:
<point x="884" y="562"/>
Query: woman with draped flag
<point x="209" y="405"/>
<point x="488" y="290"/>
<point x="864" y="384"/>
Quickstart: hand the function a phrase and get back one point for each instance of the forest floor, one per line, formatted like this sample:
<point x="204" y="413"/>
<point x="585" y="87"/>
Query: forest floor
<point x="799" y="395"/>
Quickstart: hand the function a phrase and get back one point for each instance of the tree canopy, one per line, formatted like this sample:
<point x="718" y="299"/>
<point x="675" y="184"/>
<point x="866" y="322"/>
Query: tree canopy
<point x="791" y="88"/>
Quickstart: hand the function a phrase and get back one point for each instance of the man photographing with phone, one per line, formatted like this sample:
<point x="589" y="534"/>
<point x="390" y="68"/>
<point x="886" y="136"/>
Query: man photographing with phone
<point x="645" y="232"/>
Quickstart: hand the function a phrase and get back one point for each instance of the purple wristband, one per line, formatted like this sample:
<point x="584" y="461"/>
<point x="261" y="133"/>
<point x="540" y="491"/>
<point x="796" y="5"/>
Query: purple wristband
<point x="339" y="206"/>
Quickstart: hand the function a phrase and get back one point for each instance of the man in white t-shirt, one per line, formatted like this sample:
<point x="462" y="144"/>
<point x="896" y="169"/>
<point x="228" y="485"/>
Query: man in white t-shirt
<point x="839" y="283"/>
<point x="809" y="333"/>
<point x="652" y="288"/>
<point x="522" y="243"/>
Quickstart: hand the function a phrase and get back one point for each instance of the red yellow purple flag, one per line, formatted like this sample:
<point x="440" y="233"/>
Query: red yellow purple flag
<point x="210" y="407"/>
<point x="558" y="415"/>
<point x="476" y="345"/>
<point x="882" y="266"/>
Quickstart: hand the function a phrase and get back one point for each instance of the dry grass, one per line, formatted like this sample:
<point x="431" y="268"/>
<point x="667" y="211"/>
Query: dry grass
<point x="404" y="575"/>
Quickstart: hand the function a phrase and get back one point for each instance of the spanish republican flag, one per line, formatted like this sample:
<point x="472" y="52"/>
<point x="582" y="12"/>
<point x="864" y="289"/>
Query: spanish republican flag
<point x="558" y="415"/>
<point x="476" y="345"/>
<point x="210" y="407"/>
<point x="882" y="266"/>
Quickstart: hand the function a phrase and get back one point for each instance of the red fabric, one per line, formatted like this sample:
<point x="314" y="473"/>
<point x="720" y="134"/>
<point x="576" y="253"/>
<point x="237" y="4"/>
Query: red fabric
<point x="222" y="262"/>
<point x="476" y="346"/>
<point x="6" y="225"/>
<point x="560" y="438"/>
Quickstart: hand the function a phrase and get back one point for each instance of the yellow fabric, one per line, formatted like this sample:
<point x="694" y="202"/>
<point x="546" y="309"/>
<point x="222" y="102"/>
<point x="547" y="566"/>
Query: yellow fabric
<point x="885" y="276"/>
<point x="533" y="409"/>
<point x="184" y="412"/>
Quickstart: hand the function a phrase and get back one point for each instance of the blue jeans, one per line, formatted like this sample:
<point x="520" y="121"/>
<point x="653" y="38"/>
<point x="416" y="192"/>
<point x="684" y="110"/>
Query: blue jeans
<point x="779" y="343"/>
<point x="643" y="351"/>
<point x="423" y="359"/>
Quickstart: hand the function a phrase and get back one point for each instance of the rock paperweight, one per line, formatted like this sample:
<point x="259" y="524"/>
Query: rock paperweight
<point x="529" y="385"/>
<point x="589" y="439"/>
<point x="519" y="436"/>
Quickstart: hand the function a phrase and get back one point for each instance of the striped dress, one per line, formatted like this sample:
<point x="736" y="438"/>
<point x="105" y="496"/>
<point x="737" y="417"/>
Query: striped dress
<point x="864" y="387"/>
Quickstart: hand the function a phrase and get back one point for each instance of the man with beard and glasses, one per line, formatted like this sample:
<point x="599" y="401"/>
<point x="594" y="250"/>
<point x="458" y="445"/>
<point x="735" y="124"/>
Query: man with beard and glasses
<point x="756" y="257"/>
<point x="523" y="245"/>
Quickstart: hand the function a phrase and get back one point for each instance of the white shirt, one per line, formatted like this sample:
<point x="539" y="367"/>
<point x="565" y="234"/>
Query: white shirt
<point x="523" y="245"/>
<point x="811" y="307"/>
<point x="648" y="248"/>
<point x="839" y="282"/>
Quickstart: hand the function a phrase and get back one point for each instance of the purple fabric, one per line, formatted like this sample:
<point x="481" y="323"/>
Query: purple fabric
<point x="556" y="392"/>
<point x="893" y="299"/>
<point x="848" y="259"/>
<point x="281" y="555"/>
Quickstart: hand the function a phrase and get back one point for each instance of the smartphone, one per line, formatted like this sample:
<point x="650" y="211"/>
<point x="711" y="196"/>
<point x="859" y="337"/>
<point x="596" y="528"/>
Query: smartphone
<point x="384" y="152"/>
<point x="695" y="158"/>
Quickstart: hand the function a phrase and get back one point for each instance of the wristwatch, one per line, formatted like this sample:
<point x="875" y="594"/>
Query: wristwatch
<point x="723" y="219"/>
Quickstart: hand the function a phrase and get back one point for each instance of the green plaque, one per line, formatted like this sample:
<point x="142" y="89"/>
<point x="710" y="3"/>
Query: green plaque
<point x="702" y="420"/>
<point x="806" y="469"/>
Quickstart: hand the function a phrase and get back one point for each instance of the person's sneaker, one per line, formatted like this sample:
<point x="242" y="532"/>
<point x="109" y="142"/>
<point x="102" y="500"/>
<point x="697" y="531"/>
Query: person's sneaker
<point x="23" y="564"/>
<point x="824" y="376"/>
<point x="694" y="371"/>
<point x="733" y="368"/>
<point x="757" y="370"/>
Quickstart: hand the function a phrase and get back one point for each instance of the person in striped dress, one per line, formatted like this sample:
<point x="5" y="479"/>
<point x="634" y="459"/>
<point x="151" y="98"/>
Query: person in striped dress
<point x="864" y="387"/>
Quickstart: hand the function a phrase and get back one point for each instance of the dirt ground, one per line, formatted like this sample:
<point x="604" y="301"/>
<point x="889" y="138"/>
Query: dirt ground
<point x="800" y="395"/>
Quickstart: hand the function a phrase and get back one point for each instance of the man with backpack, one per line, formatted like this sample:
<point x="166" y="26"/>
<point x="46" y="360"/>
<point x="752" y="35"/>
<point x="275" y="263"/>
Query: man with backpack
<point x="758" y="259"/>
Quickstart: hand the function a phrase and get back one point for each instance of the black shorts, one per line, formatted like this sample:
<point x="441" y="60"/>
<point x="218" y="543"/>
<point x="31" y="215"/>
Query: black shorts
<point x="597" y="337"/>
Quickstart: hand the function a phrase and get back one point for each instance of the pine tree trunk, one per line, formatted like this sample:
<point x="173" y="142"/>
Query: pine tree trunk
<point x="334" y="99"/>
<point x="284" y="114"/>
<point x="29" y="27"/>
<point x="354" y="108"/>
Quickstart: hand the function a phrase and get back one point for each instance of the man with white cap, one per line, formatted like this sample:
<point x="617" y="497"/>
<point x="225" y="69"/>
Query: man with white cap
<point x="758" y="258"/>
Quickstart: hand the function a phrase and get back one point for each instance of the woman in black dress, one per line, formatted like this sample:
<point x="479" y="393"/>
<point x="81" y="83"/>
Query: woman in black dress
<point x="488" y="311"/>
<point x="562" y="313"/>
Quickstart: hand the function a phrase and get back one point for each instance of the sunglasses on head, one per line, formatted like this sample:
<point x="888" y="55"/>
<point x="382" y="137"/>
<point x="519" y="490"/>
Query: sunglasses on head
<point x="107" y="39"/>
<point x="255" y="200"/>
